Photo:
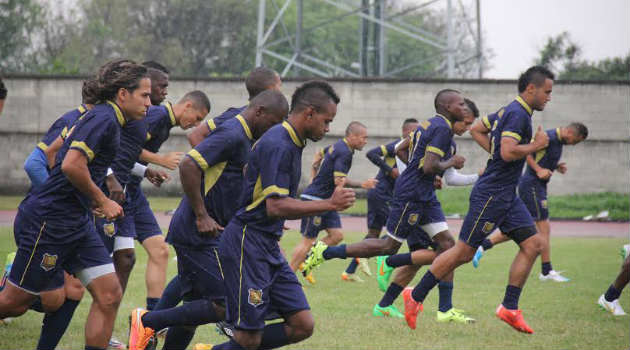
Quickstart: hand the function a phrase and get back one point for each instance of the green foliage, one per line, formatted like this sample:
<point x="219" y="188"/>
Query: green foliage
<point x="18" y="18"/>
<point x="562" y="55"/>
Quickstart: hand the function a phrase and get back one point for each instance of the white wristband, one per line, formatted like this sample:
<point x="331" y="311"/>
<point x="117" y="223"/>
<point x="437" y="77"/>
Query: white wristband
<point x="138" y="170"/>
<point x="453" y="178"/>
<point x="109" y="171"/>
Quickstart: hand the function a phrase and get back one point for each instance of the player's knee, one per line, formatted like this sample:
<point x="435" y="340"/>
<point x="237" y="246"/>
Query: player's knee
<point x="445" y="242"/>
<point x="51" y="302"/>
<point x="110" y="298"/>
<point x="390" y="247"/>
<point x="125" y="260"/>
<point x="534" y="245"/>
<point x="305" y="330"/>
<point x="160" y="253"/>
<point x="248" y="340"/>
<point x="12" y="307"/>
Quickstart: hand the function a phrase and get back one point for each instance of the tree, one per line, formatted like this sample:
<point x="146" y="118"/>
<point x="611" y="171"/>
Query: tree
<point x="17" y="20"/>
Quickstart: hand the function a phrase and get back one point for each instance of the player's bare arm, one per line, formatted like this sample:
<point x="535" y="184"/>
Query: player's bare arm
<point x="542" y="173"/>
<point x="190" y="176"/>
<point x="511" y="150"/>
<point x="290" y="208"/>
<point x="481" y="134"/>
<point x="198" y="134"/>
<point x="433" y="165"/>
<point x="168" y="160"/>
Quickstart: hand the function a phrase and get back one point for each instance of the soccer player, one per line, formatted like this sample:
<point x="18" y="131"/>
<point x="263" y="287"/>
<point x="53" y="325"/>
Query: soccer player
<point x="211" y="173"/>
<point x="379" y="197"/>
<point x="419" y="243"/>
<point x="257" y="81"/>
<point x="159" y="81"/>
<point x="53" y="223"/>
<point x="494" y="203"/>
<point x="333" y="172"/>
<point x="609" y="301"/>
<point x="415" y="203"/>
<point x="258" y="278"/>
<point x="532" y="189"/>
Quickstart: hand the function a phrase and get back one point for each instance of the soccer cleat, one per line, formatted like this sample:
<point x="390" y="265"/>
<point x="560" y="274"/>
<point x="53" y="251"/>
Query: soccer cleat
<point x="388" y="311"/>
<point x="454" y="315"/>
<point x="161" y="334"/>
<point x="412" y="308"/>
<point x="611" y="306"/>
<point x="139" y="335"/>
<point x="553" y="276"/>
<point x="364" y="266"/>
<point x="314" y="258"/>
<point x="351" y="277"/>
<point x="384" y="273"/>
<point x="225" y="328"/>
<point x="514" y="318"/>
<point x="116" y="344"/>
<point x="202" y="346"/>
<point x="309" y="278"/>
<point x="478" y="256"/>
<point x="625" y="251"/>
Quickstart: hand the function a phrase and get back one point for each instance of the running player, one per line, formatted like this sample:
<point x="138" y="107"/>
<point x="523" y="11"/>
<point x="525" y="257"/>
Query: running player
<point x="53" y="222"/>
<point x="159" y="81"/>
<point x="493" y="201"/>
<point x="211" y="174"/>
<point x="257" y="277"/>
<point x="257" y="81"/>
<point x="532" y="190"/>
<point x="379" y="197"/>
<point x="333" y="172"/>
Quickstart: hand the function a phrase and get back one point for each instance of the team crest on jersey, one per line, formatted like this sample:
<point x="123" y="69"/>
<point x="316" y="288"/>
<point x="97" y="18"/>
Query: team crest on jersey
<point x="543" y="203"/>
<point x="254" y="297"/>
<point x="413" y="219"/>
<point x="317" y="220"/>
<point x="487" y="227"/>
<point x="48" y="262"/>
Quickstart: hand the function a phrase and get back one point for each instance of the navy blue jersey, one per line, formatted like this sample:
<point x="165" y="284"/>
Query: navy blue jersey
<point x="132" y="139"/>
<point x="547" y="158"/>
<point x="336" y="163"/>
<point x="435" y="136"/>
<point x="97" y="136"/>
<point x="384" y="157"/>
<point x="221" y="157"/>
<point x="61" y="126"/>
<point x="223" y="117"/>
<point x="273" y="170"/>
<point x="513" y="121"/>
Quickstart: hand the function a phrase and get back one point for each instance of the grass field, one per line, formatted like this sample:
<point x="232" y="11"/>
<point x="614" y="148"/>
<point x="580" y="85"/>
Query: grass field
<point x="564" y="316"/>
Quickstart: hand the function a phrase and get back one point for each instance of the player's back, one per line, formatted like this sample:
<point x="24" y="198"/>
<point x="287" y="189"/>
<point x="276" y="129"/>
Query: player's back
<point x="547" y="158"/>
<point x="336" y="163"/>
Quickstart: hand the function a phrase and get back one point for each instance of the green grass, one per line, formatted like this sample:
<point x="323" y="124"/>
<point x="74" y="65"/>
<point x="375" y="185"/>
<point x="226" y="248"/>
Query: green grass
<point x="564" y="316"/>
<point x="455" y="201"/>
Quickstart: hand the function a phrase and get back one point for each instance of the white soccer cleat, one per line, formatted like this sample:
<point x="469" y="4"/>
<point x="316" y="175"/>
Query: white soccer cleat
<point x="611" y="306"/>
<point x="625" y="251"/>
<point x="364" y="267"/>
<point x="553" y="275"/>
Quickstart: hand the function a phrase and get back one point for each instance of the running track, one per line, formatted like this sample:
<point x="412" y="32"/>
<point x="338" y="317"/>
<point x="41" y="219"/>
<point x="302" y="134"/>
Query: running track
<point x="357" y="224"/>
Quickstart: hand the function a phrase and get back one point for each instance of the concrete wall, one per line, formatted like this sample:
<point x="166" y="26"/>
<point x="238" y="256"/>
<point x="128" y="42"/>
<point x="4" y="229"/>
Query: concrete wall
<point x="599" y="164"/>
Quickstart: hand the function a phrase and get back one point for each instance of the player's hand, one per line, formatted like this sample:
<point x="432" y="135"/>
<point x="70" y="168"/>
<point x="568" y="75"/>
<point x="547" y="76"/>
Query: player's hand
<point x="342" y="198"/>
<point x="111" y="210"/>
<point x="437" y="182"/>
<point x="541" y="140"/>
<point x="394" y="173"/>
<point x="544" y="174"/>
<point x="562" y="168"/>
<point x="369" y="184"/>
<point x="116" y="191"/>
<point x="156" y="177"/>
<point x="458" y="161"/>
<point x="207" y="227"/>
<point x="171" y="160"/>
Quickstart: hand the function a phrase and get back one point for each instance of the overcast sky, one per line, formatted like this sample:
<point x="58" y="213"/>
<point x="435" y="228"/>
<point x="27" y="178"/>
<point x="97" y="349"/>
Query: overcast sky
<point x="516" y="30"/>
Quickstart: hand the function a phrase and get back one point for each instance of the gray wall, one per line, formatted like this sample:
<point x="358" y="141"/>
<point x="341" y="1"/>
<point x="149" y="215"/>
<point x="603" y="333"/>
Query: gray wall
<point x="599" y="164"/>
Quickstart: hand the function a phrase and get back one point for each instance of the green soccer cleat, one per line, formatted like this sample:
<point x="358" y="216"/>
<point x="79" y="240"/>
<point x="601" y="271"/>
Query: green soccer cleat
<point x="388" y="311"/>
<point x="314" y="258"/>
<point x="384" y="273"/>
<point x="454" y="315"/>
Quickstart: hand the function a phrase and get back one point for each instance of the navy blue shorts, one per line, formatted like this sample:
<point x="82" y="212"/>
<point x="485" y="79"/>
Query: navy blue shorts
<point x="144" y="223"/>
<point x="535" y="198"/>
<point x="487" y="212"/>
<point x="311" y="225"/>
<point x="258" y="279"/>
<point x="419" y="239"/>
<point x="407" y="217"/>
<point x="377" y="209"/>
<point x="108" y="231"/>
<point x="200" y="273"/>
<point x="42" y="257"/>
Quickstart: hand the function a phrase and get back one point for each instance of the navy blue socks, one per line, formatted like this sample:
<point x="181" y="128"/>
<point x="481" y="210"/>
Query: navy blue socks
<point x="427" y="283"/>
<point x="446" y="296"/>
<point x="399" y="260"/>
<point x="512" y="294"/>
<point x="393" y="291"/>
<point x="335" y="252"/>
<point x="352" y="268"/>
<point x="55" y="325"/>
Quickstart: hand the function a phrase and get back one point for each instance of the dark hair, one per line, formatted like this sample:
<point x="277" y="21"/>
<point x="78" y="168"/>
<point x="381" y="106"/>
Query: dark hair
<point x="473" y="107"/>
<point x="89" y="91"/>
<point x="315" y="93"/>
<point x="534" y="75"/>
<point x="118" y="74"/>
<point x="273" y="101"/>
<point x="409" y="121"/>
<point x="353" y="127"/>
<point x="198" y="98"/>
<point x="155" y="65"/>
<point x="580" y="128"/>
<point x="3" y="90"/>
<point x="438" y="98"/>
<point x="259" y="80"/>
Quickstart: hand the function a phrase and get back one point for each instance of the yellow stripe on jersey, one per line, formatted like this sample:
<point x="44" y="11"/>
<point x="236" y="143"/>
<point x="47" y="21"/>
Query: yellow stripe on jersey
<point x="435" y="150"/>
<point x="293" y="134"/>
<point x="259" y="194"/>
<point x="198" y="158"/>
<point x="511" y="134"/>
<point x="119" y="114"/>
<point x="84" y="147"/>
<point x="211" y="125"/>
<point x="171" y="114"/>
<point x="524" y="104"/>
<point x="42" y="146"/>
<point x="486" y="122"/>
<point x="384" y="150"/>
<point x="211" y="176"/>
<point x="245" y="126"/>
<point x="339" y="174"/>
